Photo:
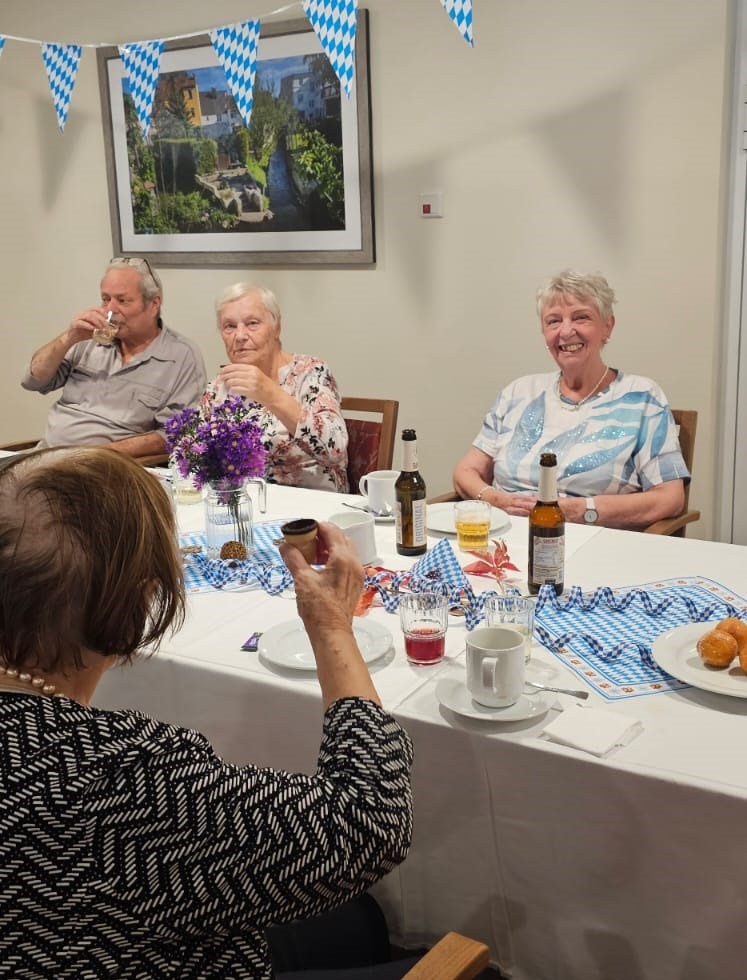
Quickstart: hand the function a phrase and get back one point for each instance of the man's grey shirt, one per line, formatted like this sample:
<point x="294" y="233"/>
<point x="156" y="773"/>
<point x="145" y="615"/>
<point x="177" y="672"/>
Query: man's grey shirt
<point x="104" y="400"/>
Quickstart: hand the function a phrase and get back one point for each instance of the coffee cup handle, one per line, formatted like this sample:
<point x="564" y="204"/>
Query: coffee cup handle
<point x="363" y="485"/>
<point x="488" y="673"/>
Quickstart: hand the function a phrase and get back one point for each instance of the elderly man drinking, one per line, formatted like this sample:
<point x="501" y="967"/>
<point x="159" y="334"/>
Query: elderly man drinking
<point x="117" y="392"/>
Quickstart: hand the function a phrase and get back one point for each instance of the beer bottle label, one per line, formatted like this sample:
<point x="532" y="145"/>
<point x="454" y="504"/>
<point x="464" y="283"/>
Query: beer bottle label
<point x="549" y="559"/>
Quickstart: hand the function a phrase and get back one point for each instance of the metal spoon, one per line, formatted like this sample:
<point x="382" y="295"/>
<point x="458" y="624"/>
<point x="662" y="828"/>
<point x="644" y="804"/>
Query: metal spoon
<point x="384" y="513"/>
<point x="558" y="690"/>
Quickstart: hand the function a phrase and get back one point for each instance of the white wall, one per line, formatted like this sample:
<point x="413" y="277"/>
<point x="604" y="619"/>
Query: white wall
<point x="576" y="132"/>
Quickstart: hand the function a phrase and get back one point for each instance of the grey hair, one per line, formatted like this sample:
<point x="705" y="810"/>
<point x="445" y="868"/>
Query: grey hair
<point x="241" y="289"/>
<point x="150" y="284"/>
<point x="580" y="285"/>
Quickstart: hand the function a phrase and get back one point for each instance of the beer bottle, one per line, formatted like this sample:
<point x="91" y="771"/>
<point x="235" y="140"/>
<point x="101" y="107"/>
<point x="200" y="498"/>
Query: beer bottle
<point x="409" y="491"/>
<point x="546" y="531"/>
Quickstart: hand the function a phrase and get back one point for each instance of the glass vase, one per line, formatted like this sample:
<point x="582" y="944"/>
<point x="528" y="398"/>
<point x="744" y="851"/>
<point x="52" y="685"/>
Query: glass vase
<point x="228" y="522"/>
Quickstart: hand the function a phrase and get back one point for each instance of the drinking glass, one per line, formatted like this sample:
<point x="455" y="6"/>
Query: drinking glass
<point x="472" y="520"/>
<point x="515" y="612"/>
<point x="185" y="491"/>
<point x="424" y="617"/>
<point x="104" y="336"/>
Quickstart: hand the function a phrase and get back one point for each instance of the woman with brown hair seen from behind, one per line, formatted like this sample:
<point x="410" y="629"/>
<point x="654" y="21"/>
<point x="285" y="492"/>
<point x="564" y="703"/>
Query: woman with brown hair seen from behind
<point x="128" y="848"/>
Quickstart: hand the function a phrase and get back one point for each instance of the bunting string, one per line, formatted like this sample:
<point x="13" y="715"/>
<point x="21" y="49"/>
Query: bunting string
<point x="236" y="46"/>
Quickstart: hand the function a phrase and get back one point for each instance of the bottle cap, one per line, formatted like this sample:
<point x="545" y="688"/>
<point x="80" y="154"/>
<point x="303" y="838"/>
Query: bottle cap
<point x="548" y="459"/>
<point x="408" y="435"/>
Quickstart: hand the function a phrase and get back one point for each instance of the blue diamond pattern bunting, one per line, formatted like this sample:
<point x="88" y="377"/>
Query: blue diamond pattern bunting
<point x="2" y="43"/>
<point x="460" y="12"/>
<point x="61" y="62"/>
<point x="236" y="48"/>
<point x="141" y="62"/>
<point x="334" y="22"/>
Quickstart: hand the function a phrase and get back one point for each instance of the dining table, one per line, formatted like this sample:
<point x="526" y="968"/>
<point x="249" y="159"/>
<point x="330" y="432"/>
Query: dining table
<point x="573" y="856"/>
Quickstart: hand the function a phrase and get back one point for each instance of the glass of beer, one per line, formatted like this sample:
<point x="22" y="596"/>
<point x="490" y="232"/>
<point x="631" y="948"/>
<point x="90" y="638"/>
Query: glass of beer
<point x="515" y="612"/>
<point x="472" y="520"/>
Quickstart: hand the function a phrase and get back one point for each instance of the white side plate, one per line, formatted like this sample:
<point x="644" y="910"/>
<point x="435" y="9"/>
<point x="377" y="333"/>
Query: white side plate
<point x="288" y="645"/>
<point x="440" y="517"/>
<point x="676" y="652"/>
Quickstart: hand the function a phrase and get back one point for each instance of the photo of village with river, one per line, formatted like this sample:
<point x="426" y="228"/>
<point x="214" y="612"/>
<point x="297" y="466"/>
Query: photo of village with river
<point x="202" y="170"/>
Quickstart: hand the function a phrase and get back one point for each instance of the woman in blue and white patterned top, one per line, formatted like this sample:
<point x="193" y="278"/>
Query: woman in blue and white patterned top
<point x="619" y="461"/>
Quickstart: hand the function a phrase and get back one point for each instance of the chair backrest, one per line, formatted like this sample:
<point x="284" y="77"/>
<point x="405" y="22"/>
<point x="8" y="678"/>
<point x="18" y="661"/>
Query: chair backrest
<point x="687" y="424"/>
<point x="370" y="440"/>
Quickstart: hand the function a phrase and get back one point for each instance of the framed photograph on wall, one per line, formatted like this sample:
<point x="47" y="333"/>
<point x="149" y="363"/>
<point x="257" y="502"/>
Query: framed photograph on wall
<point x="295" y="187"/>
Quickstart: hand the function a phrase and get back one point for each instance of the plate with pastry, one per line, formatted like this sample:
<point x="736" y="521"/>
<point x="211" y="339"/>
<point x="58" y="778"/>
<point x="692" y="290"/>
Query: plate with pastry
<point x="711" y="656"/>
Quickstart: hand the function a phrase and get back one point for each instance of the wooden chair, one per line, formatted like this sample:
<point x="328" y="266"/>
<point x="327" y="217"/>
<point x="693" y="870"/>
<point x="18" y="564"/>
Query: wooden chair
<point x="370" y="440"/>
<point x="154" y="459"/>
<point x="687" y="424"/>
<point x="454" y="957"/>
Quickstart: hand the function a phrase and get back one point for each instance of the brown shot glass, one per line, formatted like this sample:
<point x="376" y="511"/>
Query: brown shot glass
<point x="302" y="534"/>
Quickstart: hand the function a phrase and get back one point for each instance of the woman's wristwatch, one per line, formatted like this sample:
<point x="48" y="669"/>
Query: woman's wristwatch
<point x="591" y="515"/>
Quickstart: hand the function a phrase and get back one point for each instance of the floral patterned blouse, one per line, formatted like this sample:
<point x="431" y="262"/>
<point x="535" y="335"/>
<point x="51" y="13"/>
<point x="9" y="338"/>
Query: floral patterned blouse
<point x="316" y="455"/>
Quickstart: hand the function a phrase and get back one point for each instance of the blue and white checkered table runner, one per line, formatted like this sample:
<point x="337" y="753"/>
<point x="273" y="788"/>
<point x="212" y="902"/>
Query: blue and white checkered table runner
<point x="263" y="569"/>
<point x="606" y="636"/>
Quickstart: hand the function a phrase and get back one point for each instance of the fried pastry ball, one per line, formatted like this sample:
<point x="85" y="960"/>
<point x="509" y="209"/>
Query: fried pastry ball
<point x="717" y="648"/>
<point x="738" y="629"/>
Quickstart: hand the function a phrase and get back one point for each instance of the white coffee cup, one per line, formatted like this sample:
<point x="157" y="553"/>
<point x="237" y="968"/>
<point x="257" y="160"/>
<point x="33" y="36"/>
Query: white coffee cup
<point x="378" y="486"/>
<point x="359" y="529"/>
<point x="495" y="666"/>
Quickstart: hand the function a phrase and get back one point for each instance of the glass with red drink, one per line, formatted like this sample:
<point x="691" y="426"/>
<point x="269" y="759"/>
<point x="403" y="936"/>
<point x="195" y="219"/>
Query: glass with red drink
<point x="424" y="617"/>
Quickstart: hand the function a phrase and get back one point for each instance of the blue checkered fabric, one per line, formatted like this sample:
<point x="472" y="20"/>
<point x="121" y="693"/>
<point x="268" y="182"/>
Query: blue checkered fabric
<point x="437" y="571"/>
<point x="236" y="47"/>
<point x="606" y="636"/>
<point x="263" y="569"/>
<point x="460" y="12"/>
<point x="61" y="62"/>
<point x="141" y="63"/>
<point x="334" y="22"/>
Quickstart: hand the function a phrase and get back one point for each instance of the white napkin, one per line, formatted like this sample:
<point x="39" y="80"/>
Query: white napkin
<point x="592" y="730"/>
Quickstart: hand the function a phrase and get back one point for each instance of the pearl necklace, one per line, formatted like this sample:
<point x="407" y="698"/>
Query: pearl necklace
<point x="574" y="407"/>
<point x="38" y="684"/>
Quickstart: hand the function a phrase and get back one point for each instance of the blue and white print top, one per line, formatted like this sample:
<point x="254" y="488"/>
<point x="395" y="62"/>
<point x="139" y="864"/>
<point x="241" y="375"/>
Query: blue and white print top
<point x="621" y="441"/>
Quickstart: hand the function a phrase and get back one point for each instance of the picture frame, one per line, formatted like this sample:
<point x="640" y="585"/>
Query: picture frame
<point x="196" y="193"/>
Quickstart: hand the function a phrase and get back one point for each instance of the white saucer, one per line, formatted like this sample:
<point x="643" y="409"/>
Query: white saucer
<point x="454" y="695"/>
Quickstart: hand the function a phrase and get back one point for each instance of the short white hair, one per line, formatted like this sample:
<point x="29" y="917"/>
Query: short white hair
<point x="581" y="285"/>
<point x="240" y="289"/>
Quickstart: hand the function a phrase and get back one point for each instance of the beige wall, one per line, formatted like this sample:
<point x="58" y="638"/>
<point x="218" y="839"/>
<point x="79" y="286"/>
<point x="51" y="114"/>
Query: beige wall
<point x="574" y="133"/>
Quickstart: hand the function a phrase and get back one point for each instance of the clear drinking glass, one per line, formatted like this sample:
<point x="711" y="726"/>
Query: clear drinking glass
<point x="185" y="491"/>
<point x="424" y="617"/>
<point x="472" y="520"/>
<point x="104" y="336"/>
<point x="515" y="612"/>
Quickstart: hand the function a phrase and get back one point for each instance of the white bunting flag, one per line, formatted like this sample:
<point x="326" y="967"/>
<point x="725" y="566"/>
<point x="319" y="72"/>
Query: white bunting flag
<point x="61" y="62"/>
<point x="141" y="63"/>
<point x="460" y="12"/>
<point x="334" y="22"/>
<point x="236" y="48"/>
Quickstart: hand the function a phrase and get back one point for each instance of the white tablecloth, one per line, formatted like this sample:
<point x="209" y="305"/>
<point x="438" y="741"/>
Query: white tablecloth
<point x="568" y="866"/>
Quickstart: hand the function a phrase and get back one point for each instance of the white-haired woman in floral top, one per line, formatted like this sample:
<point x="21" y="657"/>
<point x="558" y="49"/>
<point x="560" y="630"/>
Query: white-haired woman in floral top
<point x="295" y="395"/>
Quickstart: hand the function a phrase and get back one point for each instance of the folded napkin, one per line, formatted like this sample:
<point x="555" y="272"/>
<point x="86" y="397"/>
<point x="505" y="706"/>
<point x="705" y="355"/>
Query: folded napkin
<point x="593" y="730"/>
<point x="440" y="564"/>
